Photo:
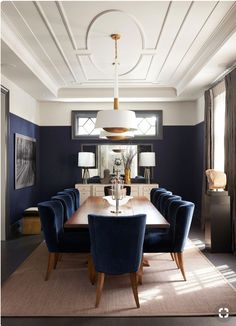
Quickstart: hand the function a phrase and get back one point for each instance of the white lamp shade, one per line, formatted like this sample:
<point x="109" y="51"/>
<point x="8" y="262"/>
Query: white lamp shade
<point x="86" y="159"/>
<point x="147" y="159"/>
<point x="116" y="119"/>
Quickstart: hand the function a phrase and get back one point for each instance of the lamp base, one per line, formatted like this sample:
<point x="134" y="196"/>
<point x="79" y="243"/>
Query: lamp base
<point x="147" y="175"/>
<point x="86" y="175"/>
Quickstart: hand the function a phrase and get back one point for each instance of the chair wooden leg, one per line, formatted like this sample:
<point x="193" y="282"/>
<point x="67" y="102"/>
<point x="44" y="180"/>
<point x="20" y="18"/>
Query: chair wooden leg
<point x="59" y="256"/>
<point x="172" y="256"/>
<point x="56" y="259"/>
<point x="176" y="259"/>
<point x="51" y="262"/>
<point x="100" y="284"/>
<point x="133" y="279"/>
<point x="91" y="270"/>
<point x="140" y="273"/>
<point x="181" y="264"/>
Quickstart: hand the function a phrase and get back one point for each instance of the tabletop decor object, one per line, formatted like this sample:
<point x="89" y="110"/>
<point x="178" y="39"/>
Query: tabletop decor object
<point x="127" y="160"/>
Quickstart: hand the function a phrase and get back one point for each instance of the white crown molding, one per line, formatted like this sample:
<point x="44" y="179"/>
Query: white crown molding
<point x="107" y="92"/>
<point x="15" y="43"/>
<point x="190" y="46"/>
<point x="14" y="4"/>
<point x="221" y="34"/>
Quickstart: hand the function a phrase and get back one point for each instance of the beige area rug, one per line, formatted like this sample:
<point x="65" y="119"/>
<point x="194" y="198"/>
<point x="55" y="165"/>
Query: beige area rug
<point x="163" y="293"/>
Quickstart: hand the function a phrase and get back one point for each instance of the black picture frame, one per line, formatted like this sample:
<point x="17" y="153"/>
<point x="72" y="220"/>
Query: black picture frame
<point x="25" y="161"/>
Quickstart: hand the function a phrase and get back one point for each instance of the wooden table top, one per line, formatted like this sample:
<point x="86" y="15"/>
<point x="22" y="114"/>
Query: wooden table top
<point x="99" y="206"/>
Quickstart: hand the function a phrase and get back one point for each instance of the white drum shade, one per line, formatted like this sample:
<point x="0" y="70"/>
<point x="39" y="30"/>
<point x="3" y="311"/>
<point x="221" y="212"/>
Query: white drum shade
<point x="147" y="159"/>
<point x="86" y="159"/>
<point x="116" y="121"/>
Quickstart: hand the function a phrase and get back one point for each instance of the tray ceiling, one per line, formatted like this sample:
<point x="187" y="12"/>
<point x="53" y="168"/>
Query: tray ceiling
<point x="167" y="50"/>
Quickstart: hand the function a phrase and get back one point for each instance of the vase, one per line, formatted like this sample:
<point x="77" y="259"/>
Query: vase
<point x="127" y="176"/>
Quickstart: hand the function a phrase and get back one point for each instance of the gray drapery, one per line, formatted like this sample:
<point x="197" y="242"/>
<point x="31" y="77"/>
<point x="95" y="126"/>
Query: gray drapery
<point x="230" y="147"/>
<point x="208" y="146"/>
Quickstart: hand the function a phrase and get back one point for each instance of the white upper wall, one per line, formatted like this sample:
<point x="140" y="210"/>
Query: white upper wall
<point x="174" y="113"/>
<point x="21" y="103"/>
<point x="59" y="113"/>
<point x="200" y="107"/>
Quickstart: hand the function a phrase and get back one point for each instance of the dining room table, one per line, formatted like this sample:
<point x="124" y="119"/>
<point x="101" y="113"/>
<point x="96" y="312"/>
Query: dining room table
<point x="100" y="206"/>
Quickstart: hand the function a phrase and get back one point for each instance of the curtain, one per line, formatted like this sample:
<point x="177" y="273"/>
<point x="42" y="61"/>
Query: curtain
<point x="230" y="147"/>
<point x="208" y="146"/>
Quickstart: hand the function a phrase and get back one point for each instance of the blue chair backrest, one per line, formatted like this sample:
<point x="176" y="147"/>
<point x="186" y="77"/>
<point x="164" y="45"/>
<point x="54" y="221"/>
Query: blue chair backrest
<point x="77" y="196"/>
<point x="52" y="219"/>
<point x="180" y="213"/>
<point x="67" y="203"/>
<point x="116" y="242"/>
<point x="157" y="196"/>
<point x="163" y="202"/>
<point x="153" y="190"/>
<point x="71" y="194"/>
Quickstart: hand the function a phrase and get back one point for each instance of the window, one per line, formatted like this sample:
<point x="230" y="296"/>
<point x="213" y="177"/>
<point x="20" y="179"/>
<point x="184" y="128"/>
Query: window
<point x="219" y="125"/>
<point x="149" y="125"/>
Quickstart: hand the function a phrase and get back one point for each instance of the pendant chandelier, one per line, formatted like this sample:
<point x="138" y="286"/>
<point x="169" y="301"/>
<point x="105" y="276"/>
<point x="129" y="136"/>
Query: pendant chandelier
<point x="116" y="124"/>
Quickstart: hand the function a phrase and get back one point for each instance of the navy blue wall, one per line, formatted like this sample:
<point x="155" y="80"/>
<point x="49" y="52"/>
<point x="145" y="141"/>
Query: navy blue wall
<point x="179" y="162"/>
<point x="20" y="199"/>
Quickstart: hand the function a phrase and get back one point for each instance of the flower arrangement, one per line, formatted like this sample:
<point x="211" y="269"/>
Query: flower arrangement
<point x="128" y="158"/>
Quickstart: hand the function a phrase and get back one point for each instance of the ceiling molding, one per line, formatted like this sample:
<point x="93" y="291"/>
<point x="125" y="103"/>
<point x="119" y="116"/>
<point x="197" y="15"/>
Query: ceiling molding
<point x="176" y="36"/>
<point x="220" y="35"/>
<point x="15" y="43"/>
<point x="54" y="38"/>
<point x="66" y="24"/>
<point x="110" y="11"/>
<point x="193" y="41"/>
<point x="39" y="43"/>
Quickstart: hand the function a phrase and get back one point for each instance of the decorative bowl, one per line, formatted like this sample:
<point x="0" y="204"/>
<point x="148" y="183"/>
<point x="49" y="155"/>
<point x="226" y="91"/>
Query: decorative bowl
<point x="112" y="202"/>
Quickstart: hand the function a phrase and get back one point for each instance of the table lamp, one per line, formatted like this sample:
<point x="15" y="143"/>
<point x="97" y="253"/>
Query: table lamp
<point x="147" y="160"/>
<point x="86" y="160"/>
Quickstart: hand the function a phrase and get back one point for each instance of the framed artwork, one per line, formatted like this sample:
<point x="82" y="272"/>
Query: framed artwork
<point x="25" y="161"/>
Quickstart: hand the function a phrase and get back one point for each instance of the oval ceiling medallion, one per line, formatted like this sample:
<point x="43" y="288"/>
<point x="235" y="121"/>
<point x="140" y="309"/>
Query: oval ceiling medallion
<point x="101" y="46"/>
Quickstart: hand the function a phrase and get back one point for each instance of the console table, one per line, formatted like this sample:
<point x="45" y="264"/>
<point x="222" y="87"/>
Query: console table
<point x="97" y="189"/>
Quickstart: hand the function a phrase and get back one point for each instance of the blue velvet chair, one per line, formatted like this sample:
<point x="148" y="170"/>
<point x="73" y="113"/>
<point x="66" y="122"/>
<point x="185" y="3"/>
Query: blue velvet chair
<point x="76" y="195"/>
<point x="116" y="247"/>
<point x="67" y="203"/>
<point x="52" y="219"/>
<point x="153" y="190"/>
<point x="165" y="200"/>
<point x="156" y="196"/>
<point x="180" y="217"/>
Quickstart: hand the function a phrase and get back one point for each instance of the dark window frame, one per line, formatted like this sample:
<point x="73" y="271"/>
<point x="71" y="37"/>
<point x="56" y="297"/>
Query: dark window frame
<point x="92" y="114"/>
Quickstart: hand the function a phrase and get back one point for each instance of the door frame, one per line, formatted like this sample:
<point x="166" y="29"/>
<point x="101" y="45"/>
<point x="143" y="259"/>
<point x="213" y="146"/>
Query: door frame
<point x="5" y="124"/>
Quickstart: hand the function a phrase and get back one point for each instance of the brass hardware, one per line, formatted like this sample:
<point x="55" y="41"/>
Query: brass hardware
<point x="115" y="36"/>
<point x="116" y="103"/>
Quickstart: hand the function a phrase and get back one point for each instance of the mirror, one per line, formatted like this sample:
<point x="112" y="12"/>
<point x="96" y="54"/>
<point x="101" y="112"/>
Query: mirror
<point x="103" y="149"/>
<point x="112" y="157"/>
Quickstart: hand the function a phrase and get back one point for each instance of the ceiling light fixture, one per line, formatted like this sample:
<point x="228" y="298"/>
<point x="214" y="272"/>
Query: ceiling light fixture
<point x="116" y="135"/>
<point x="117" y="124"/>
